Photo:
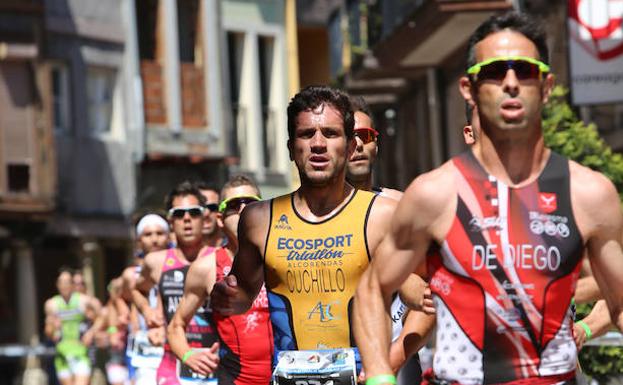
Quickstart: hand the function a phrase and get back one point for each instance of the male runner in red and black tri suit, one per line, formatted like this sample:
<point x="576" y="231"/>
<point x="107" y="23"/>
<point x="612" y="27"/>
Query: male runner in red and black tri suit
<point x="512" y="219"/>
<point x="513" y="254"/>
<point x="168" y="269"/>
<point x="246" y="341"/>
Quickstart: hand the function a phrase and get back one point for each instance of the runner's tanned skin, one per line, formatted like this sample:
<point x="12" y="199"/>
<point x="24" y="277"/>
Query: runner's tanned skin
<point x="511" y="148"/>
<point x="320" y="147"/>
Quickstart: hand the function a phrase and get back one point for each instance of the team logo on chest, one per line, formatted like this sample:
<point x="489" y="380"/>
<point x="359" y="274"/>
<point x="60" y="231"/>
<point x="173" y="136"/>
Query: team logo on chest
<point x="547" y="202"/>
<point x="282" y="223"/>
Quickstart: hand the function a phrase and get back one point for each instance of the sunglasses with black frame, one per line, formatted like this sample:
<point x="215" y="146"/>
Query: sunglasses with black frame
<point x="234" y="203"/>
<point x="180" y="212"/>
<point x="212" y="207"/>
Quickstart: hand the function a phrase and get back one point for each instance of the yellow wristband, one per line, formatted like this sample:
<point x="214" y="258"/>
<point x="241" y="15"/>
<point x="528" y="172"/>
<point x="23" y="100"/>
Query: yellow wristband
<point x="587" y="330"/>
<point x="381" y="379"/>
<point x="112" y="330"/>
<point x="187" y="355"/>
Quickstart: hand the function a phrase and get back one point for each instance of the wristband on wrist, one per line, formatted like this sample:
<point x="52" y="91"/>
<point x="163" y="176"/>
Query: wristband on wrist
<point x="187" y="355"/>
<point x="587" y="330"/>
<point x="112" y="330"/>
<point x="381" y="379"/>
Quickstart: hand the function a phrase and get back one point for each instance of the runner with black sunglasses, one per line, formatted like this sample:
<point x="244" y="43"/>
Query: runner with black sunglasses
<point x="511" y="220"/>
<point x="167" y="269"/>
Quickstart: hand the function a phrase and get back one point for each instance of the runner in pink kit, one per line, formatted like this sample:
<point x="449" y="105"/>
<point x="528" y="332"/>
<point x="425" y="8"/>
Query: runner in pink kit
<point x="167" y="269"/>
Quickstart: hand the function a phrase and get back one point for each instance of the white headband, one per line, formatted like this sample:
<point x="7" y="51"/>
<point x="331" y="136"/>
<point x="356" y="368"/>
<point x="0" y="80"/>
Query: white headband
<point x="151" y="220"/>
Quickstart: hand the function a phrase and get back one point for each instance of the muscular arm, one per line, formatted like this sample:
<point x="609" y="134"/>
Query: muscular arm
<point x="603" y="229"/>
<point x="52" y="323"/>
<point x="420" y="215"/>
<point x="144" y="283"/>
<point x="415" y="332"/>
<point x="128" y="280"/>
<point x="598" y="321"/>
<point x="199" y="282"/>
<point x="236" y="293"/>
<point x="587" y="290"/>
<point x="93" y="308"/>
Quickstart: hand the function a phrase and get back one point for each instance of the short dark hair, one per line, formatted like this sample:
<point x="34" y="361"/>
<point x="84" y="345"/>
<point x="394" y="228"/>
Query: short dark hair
<point x="518" y="22"/>
<point x="359" y="105"/>
<point x="203" y="185"/>
<point x="183" y="189"/>
<point x="237" y="181"/>
<point x="311" y="97"/>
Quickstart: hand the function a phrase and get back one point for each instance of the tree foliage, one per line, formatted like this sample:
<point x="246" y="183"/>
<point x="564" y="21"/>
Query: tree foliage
<point x="569" y="136"/>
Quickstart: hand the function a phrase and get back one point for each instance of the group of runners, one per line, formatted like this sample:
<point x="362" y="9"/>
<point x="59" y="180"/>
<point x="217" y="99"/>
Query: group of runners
<point x="341" y="281"/>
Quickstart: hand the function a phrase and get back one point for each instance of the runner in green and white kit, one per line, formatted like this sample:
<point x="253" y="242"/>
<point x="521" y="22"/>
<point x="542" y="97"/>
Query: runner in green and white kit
<point x="65" y="313"/>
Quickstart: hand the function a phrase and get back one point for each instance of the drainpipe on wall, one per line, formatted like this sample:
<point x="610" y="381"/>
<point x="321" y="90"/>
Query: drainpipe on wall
<point x="434" y="114"/>
<point x="172" y="66"/>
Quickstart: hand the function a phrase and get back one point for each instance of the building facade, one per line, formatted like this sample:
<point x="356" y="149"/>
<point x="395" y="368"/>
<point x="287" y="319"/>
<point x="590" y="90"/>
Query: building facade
<point x="105" y="106"/>
<point x="406" y="57"/>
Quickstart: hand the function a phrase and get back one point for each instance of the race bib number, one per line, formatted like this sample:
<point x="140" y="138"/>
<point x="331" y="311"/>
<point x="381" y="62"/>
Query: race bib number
<point x="316" y="367"/>
<point x="144" y="354"/>
<point x="188" y="377"/>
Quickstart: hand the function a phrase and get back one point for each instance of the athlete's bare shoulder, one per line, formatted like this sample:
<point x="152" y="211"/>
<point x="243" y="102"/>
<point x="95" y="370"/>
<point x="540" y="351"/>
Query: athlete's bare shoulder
<point x="433" y="188"/>
<point x="50" y="306"/>
<point x="204" y="263"/>
<point x="592" y="196"/>
<point x="254" y="221"/>
<point x="202" y="274"/>
<point x="155" y="258"/>
<point x="379" y="220"/>
<point x="152" y="266"/>
<point x="391" y="193"/>
<point x="430" y="200"/>
<point x="383" y="207"/>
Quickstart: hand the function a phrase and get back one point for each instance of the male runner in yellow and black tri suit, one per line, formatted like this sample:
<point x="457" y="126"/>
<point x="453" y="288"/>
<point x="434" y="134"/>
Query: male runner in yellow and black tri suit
<point x="311" y="246"/>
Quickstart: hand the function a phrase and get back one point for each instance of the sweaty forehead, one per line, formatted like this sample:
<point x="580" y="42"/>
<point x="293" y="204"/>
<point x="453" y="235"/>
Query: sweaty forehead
<point x="505" y="43"/>
<point x="325" y="115"/>
<point x="362" y="120"/>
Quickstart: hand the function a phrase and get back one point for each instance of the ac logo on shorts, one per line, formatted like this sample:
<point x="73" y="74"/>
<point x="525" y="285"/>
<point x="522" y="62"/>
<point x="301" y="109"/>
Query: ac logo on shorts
<point x="547" y="202"/>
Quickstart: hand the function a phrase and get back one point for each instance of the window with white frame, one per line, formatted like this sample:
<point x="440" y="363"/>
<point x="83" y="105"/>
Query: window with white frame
<point x="61" y="101"/>
<point x="258" y="94"/>
<point x="235" y="51"/>
<point x="100" y="89"/>
<point x="266" y="50"/>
